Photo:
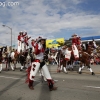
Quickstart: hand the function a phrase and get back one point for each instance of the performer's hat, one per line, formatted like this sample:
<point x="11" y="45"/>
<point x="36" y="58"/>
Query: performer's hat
<point x="33" y="40"/>
<point x="40" y="38"/>
<point x="20" y="32"/>
<point x="74" y="35"/>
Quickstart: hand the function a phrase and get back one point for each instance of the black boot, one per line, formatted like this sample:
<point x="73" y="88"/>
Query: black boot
<point x="31" y="84"/>
<point x="93" y="73"/>
<point x="51" y="86"/>
<point x="80" y="72"/>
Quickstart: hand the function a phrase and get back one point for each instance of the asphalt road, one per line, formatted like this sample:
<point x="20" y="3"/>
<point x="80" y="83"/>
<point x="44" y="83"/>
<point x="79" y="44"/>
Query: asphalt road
<point x="71" y="86"/>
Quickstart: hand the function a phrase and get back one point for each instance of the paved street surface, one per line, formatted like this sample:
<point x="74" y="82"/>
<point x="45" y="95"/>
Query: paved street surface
<point x="71" y="86"/>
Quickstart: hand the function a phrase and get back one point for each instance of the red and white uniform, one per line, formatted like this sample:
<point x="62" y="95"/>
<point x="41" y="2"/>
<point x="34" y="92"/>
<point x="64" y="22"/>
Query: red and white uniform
<point x="33" y="44"/>
<point x="75" y="51"/>
<point x="39" y="51"/>
<point x="35" y="66"/>
<point x="67" y="54"/>
<point x="21" y="41"/>
<point x="26" y="41"/>
<point x="76" y="42"/>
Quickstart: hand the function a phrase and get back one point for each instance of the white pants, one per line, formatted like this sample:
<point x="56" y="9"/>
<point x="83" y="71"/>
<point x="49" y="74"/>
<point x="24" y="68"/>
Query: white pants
<point x="75" y="51"/>
<point x="34" y="69"/>
<point x="20" y="46"/>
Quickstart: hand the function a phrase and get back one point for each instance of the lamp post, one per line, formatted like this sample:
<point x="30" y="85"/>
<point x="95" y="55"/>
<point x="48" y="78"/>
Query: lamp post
<point x="11" y="34"/>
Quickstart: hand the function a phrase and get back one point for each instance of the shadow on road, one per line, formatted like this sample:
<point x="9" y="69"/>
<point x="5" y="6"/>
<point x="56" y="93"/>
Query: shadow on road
<point x="11" y="85"/>
<point x="19" y="98"/>
<point x="45" y="94"/>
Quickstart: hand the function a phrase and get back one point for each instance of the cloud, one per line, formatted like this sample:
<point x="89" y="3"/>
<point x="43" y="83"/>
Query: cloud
<point x="47" y="18"/>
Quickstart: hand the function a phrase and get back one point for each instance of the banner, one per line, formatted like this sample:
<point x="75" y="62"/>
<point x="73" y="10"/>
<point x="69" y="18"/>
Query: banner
<point x="54" y="42"/>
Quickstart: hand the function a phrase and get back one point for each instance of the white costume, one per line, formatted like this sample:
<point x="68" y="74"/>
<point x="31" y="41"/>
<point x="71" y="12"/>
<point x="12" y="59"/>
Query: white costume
<point x="12" y="58"/>
<point x="37" y="64"/>
<point x="75" y="51"/>
<point x="21" y="43"/>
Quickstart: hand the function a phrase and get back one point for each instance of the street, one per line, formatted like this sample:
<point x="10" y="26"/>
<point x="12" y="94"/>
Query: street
<point x="71" y="86"/>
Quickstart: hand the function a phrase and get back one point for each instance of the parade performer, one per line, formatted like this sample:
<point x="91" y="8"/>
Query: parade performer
<point x="26" y="40"/>
<point x="33" y="43"/>
<point x="67" y="55"/>
<point x="79" y="43"/>
<point x="75" y="43"/>
<point x="22" y="60"/>
<point x="53" y="50"/>
<point x="75" y="52"/>
<point x="21" y="41"/>
<point x="37" y="64"/>
<point x="76" y="40"/>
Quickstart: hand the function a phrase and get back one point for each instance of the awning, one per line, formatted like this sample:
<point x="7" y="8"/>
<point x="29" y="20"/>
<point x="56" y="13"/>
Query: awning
<point x="90" y="38"/>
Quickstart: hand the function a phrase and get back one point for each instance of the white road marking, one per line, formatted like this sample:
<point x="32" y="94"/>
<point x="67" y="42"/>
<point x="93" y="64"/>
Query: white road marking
<point x="15" y="78"/>
<point x="55" y="80"/>
<point x="11" y="77"/>
<point x="93" y="87"/>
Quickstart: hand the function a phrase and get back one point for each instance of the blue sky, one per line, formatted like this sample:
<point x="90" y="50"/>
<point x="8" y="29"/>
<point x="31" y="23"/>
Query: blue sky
<point x="49" y="18"/>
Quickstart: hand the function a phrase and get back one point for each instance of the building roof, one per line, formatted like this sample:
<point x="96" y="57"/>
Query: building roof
<point x="90" y="38"/>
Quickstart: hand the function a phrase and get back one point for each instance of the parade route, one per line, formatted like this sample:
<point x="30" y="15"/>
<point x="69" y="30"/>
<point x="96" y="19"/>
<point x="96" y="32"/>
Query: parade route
<point x="71" y="86"/>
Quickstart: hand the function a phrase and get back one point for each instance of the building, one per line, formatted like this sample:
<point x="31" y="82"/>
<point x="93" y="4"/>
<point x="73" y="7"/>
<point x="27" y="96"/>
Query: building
<point x="91" y="38"/>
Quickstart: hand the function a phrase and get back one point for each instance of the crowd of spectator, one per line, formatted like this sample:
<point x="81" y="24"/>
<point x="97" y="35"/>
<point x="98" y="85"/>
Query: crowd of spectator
<point x="95" y="59"/>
